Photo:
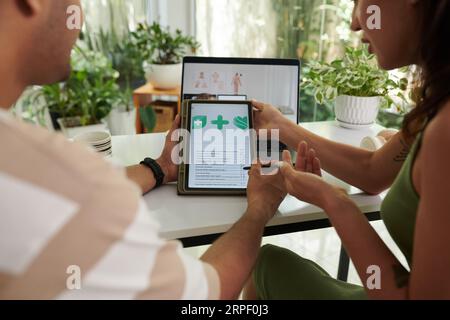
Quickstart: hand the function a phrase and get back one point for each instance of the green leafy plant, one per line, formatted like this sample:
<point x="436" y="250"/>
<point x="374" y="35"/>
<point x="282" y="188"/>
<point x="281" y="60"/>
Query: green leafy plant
<point x="357" y="74"/>
<point x="160" y="46"/>
<point x="115" y="41"/>
<point x="123" y="53"/>
<point x="125" y="58"/>
<point x="86" y="97"/>
<point x="148" y="118"/>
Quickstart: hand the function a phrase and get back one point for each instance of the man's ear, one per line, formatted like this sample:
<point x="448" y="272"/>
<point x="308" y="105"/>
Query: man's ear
<point x="30" y="7"/>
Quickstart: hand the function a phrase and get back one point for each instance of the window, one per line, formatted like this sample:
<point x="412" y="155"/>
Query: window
<point x="243" y="28"/>
<point x="303" y="29"/>
<point x="120" y="15"/>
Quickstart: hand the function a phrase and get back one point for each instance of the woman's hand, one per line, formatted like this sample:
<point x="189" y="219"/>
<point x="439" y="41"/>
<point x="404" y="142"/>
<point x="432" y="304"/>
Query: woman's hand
<point x="267" y="117"/>
<point x="165" y="160"/>
<point x="304" y="181"/>
<point x="307" y="160"/>
<point x="265" y="192"/>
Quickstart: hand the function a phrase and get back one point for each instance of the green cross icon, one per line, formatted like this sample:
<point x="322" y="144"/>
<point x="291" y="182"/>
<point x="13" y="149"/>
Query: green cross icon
<point x="220" y="123"/>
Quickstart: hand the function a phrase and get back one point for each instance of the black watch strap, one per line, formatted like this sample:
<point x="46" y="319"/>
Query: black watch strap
<point x="157" y="171"/>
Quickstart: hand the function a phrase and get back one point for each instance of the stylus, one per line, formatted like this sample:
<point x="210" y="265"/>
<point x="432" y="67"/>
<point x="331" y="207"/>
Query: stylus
<point x="269" y="165"/>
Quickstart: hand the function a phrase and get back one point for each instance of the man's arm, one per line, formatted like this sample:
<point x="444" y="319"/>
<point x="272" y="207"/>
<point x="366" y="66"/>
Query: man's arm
<point x="144" y="177"/>
<point x="234" y="254"/>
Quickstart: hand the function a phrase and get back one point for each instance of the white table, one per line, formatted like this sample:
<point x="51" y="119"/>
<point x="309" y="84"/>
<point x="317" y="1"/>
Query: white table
<point x="187" y="217"/>
<point x="199" y="220"/>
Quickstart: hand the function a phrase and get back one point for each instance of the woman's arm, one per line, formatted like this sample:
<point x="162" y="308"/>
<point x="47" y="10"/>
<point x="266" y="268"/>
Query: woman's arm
<point x="372" y="172"/>
<point x="366" y="249"/>
<point x="429" y="272"/>
<point x="429" y="278"/>
<point x="358" y="237"/>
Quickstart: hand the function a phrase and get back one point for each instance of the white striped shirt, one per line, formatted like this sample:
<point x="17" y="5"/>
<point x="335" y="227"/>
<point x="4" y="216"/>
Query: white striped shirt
<point x="69" y="219"/>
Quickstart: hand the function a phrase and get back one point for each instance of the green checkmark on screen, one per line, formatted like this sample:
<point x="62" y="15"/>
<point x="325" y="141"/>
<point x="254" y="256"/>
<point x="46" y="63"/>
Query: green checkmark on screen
<point x="199" y="122"/>
<point x="241" y="122"/>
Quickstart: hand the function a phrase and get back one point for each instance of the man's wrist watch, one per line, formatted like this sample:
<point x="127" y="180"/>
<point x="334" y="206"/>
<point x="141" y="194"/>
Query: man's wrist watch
<point x="156" y="169"/>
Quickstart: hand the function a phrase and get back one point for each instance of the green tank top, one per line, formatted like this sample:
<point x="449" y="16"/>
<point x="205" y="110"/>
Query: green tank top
<point x="399" y="208"/>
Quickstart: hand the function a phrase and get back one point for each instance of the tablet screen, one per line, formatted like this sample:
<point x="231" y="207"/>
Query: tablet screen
<point x="220" y="146"/>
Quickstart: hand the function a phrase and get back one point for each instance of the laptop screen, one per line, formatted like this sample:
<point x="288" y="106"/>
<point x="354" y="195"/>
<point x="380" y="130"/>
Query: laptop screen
<point x="274" y="81"/>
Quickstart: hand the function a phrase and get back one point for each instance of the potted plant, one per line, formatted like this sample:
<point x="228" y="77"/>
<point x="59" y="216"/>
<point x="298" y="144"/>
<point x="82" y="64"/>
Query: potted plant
<point x="118" y="44"/>
<point x="84" y="101"/>
<point x="163" y="53"/>
<point x="122" y="118"/>
<point x="128" y="60"/>
<point x="356" y="84"/>
<point x="121" y="49"/>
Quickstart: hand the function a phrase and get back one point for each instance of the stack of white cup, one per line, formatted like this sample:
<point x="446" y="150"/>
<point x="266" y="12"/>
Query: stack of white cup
<point x="100" y="141"/>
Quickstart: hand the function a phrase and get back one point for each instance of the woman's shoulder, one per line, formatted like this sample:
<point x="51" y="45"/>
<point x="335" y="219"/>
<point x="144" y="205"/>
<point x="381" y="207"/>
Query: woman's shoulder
<point x="441" y="122"/>
<point x="437" y="133"/>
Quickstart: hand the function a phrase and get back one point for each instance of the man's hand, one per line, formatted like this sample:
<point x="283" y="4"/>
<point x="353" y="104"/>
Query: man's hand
<point x="265" y="192"/>
<point x="304" y="181"/>
<point x="165" y="160"/>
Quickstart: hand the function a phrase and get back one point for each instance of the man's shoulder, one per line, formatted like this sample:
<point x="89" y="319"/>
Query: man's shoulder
<point x="48" y="159"/>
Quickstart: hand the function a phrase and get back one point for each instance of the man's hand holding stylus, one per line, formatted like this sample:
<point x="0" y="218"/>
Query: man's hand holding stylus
<point x="265" y="192"/>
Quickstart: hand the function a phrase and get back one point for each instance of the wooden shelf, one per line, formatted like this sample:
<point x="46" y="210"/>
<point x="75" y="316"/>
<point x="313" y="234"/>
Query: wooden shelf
<point x="147" y="94"/>
<point x="148" y="89"/>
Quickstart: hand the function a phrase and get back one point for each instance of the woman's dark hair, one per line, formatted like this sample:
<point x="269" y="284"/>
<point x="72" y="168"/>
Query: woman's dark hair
<point x="435" y="66"/>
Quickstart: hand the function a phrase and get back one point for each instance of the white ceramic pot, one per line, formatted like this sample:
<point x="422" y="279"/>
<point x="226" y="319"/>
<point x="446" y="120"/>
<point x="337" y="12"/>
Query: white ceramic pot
<point x="357" y="112"/>
<point x="121" y="122"/>
<point x="71" y="132"/>
<point x="165" y="77"/>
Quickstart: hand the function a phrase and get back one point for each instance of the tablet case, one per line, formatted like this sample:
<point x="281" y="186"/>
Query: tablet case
<point x="182" y="172"/>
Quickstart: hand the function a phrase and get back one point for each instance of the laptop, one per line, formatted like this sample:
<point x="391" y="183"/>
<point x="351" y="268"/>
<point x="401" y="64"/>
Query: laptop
<point x="273" y="81"/>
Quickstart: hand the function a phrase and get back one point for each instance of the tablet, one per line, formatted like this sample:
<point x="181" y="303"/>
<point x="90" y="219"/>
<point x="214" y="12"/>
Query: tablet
<point x="218" y="149"/>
